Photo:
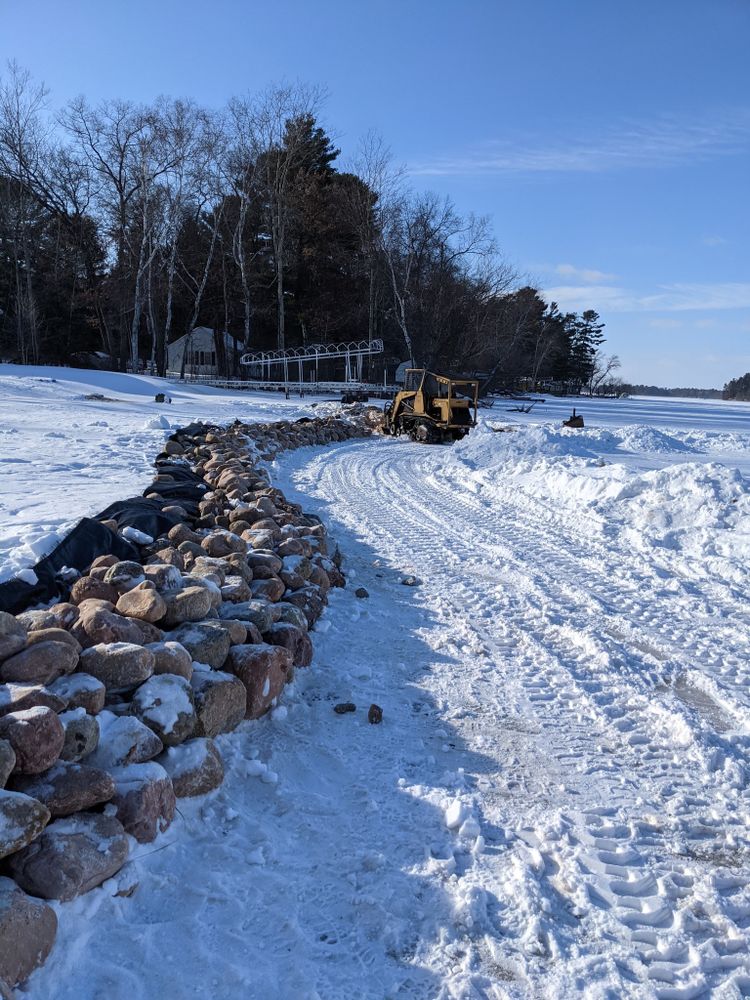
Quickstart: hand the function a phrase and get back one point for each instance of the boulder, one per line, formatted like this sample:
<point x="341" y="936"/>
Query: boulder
<point x="144" y="800"/>
<point x="292" y="638"/>
<point x="58" y="616"/>
<point x="22" y="819"/>
<point x="238" y="631"/>
<point x="81" y="734"/>
<point x="53" y="635"/>
<point x="120" y="666"/>
<point x="220" y="702"/>
<point x="188" y="605"/>
<point x="8" y="759"/>
<point x="88" y="587"/>
<point x="123" y="740"/>
<point x="39" y="663"/>
<point x="195" y="767"/>
<point x="235" y="589"/>
<point x="16" y="697"/>
<point x="72" y="856"/>
<point x="12" y="636"/>
<point x="99" y="625"/>
<point x="268" y="559"/>
<point x="263" y="669"/>
<point x="292" y="615"/>
<point x="37" y="737"/>
<point x="222" y="543"/>
<point x="271" y="589"/>
<point x="143" y="603"/>
<point x="165" y="704"/>
<point x="28" y="928"/>
<point x="81" y="690"/>
<point x="259" y="613"/>
<point x="148" y="632"/>
<point x="164" y="576"/>
<point x="171" y="658"/>
<point x="125" y="575"/>
<point x="205" y="643"/>
<point x="68" y="788"/>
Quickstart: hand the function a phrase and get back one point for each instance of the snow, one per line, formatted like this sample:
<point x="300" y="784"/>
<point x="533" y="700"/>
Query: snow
<point x="557" y="800"/>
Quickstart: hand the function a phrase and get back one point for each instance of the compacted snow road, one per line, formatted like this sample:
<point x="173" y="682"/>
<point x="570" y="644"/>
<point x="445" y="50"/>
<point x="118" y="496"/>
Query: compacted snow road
<point x="591" y="706"/>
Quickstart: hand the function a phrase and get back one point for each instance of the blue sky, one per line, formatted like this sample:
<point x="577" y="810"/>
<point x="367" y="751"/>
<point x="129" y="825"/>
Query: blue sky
<point x="609" y="142"/>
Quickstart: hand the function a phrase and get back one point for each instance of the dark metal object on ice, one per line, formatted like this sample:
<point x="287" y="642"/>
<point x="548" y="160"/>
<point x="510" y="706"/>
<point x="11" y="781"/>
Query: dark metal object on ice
<point x="576" y="420"/>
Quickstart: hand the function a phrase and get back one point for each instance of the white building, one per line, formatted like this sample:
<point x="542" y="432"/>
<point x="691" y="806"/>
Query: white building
<point x="200" y="345"/>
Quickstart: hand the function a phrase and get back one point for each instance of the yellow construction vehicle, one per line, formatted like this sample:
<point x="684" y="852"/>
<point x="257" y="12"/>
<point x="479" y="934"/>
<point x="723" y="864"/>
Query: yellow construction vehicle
<point x="432" y="408"/>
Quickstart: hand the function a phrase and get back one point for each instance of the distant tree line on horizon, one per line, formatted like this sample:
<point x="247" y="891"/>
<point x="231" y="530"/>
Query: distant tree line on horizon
<point x="125" y="226"/>
<point x="738" y="388"/>
<point x="657" y="390"/>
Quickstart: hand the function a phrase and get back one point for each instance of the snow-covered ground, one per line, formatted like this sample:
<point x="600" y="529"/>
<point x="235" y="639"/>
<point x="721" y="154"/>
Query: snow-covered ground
<point x="557" y="801"/>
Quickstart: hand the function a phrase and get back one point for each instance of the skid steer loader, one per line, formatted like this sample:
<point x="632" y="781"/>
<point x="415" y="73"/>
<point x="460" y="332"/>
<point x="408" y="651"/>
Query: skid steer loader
<point x="432" y="408"/>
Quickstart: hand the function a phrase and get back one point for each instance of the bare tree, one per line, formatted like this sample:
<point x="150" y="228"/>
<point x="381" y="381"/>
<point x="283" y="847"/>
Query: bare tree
<point x="602" y="368"/>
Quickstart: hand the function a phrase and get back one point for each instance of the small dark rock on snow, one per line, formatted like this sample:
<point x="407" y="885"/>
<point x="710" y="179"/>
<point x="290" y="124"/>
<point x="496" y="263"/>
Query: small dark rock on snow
<point x="410" y="581"/>
<point x="361" y="592"/>
<point x="375" y="715"/>
<point x="345" y="706"/>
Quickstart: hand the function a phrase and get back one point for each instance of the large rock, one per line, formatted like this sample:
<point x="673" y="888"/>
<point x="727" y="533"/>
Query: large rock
<point x="222" y="543"/>
<point x="171" y="658"/>
<point x="143" y="602"/>
<point x="188" y="605"/>
<point x="68" y="788"/>
<point x="58" y="616"/>
<point x="294" y="639"/>
<point x="81" y="734"/>
<point x="16" y="697"/>
<point x="89" y="587"/>
<point x="263" y="669"/>
<point x="195" y="767"/>
<point x="125" y="575"/>
<point x="101" y="625"/>
<point x="235" y="590"/>
<point x="165" y="704"/>
<point x="53" y="635"/>
<point x="271" y="589"/>
<point x="205" y="643"/>
<point x="120" y="666"/>
<point x="28" y="928"/>
<point x="292" y="615"/>
<point x="72" y="856"/>
<point x="22" y="819"/>
<point x="81" y="691"/>
<point x="39" y="663"/>
<point x="164" y="576"/>
<point x="12" y="636"/>
<point x="220" y="702"/>
<point x="8" y="760"/>
<point x="144" y="799"/>
<point x="123" y="740"/>
<point x="258" y="613"/>
<point x="37" y="737"/>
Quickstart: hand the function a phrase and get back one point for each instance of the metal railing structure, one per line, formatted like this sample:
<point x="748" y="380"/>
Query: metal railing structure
<point x="353" y="355"/>
<point x="270" y="385"/>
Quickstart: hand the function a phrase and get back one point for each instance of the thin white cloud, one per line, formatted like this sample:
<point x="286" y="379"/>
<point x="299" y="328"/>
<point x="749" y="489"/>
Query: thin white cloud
<point x="680" y="297"/>
<point x="665" y="141"/>
<point x="583" y="273"/>
<point x="713" y="241"/>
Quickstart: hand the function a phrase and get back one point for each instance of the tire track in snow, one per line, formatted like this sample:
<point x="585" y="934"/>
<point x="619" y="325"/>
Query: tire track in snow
<point x="581" y="646"/>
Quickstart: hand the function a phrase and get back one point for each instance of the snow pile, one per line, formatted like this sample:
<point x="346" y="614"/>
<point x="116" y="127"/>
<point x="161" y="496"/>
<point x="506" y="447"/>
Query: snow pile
<point x="640" y="486"/>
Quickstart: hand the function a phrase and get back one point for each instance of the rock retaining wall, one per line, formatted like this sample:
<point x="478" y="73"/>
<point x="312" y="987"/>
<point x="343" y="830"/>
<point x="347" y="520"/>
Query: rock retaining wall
<point x="110" y="701"/>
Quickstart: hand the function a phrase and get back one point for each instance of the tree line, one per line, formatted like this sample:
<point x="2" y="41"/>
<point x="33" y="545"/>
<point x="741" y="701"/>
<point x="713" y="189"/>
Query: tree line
<point x="124" y="226"/>
<point x="738" y="388"/>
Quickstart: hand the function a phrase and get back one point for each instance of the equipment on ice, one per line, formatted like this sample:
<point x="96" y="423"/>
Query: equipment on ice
<point x="576" y="420"/>
<point x="433" y="408"/>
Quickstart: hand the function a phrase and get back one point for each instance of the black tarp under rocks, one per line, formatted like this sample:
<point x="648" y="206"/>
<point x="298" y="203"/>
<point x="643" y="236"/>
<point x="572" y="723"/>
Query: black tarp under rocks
<point x="76" y="551"/>
<point x="90" y="539"/>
